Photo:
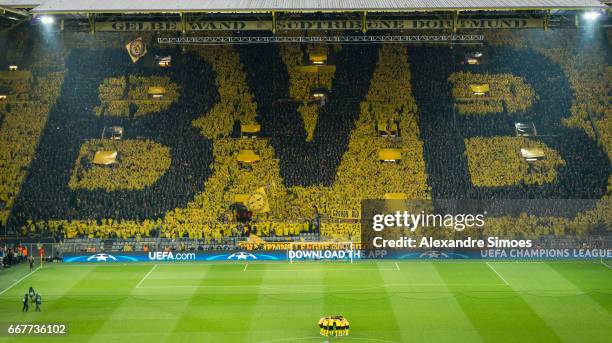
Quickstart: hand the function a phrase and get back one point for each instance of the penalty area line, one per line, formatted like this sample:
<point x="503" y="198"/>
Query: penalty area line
<point x="146" y="275"/>
<point x="18" y="281"/>
<point x="498" y="274"/>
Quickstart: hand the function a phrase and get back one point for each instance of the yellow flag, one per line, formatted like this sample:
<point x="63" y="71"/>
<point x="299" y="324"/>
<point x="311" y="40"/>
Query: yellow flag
<point x="136" y="48"/>
<point x="253" y="238"/>
<point x="258" y="201"/>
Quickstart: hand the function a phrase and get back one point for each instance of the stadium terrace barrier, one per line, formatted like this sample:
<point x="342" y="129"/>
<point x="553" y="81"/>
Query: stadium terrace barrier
<point x="211" y="40"/>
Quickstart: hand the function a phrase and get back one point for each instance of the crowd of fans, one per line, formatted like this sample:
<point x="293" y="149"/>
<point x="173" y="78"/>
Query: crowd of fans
<point x="586" y="168"/>
<point x="72" y="122"/>
<point x="129" y="96"/>
<point x="178" y="173"/>
<point x="506" y="92"/>
<point x="236" y="102"/>
<point x="110" y="93"/>
<point x="24" y="117"/>
<point x="17" y="47"/>
<point x="361" y="175"/>
<point x="584" y="64"/>
<point x="139" y="163"/>
<point x="303" y="80"/>
<point x="496" y="161"/>
<point x="304" y="163"/>
<point x="310" y="116"/>
<point x="16" y="86"/>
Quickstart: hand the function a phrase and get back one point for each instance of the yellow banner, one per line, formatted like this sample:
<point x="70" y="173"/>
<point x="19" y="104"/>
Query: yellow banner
<point x="120" y="26"/>
<point x="428" y="24"/>
<point x="231" y="25"/>
<point x="345" y="213"/>
<point x="340" y="24"/>
<point x="314" y="69"/>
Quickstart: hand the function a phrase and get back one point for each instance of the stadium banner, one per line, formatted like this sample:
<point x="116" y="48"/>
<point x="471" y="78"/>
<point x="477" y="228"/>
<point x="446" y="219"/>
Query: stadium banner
<point x="417" y="24"/>
<point x="209" y="25"/>
<point x="494" y="254"/>
<point x="288" y="25"/>
<point x="176" y="256"/>
<point x="122" y="26"/>
<point x="339" y="254"/>
<point x="345" y="213"/>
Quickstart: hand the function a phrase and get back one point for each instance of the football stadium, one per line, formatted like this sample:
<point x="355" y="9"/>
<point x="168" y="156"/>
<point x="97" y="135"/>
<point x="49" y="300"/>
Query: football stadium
<point x="271" y="171"/>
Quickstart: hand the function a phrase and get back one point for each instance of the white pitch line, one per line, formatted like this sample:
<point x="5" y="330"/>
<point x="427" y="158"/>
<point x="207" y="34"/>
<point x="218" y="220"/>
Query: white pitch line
<point x="605" y="264"/>
<point x="18" y="281"/>
<point x="307" y="288"/>
<point x="245" y="267"/>
<point x="146" y="275"/>
<point x="397" y="266"/>
<point x="498" y="274"/>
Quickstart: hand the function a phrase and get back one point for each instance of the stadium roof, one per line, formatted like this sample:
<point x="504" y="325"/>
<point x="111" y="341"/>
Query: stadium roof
<point x="141" y="6"/>
<point x="21" y="3"/>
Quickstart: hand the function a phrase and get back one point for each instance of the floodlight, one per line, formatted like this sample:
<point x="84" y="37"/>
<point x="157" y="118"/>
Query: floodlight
<point x="47" y="20"/>
<point x="591" y="15"/>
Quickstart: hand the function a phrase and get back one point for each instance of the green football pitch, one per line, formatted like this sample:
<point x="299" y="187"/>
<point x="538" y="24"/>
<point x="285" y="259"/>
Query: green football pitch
<point x="385" y="301"/>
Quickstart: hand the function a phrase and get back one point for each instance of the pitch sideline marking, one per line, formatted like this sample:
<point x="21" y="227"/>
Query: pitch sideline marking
<point x="498" y="274"/>
<point x="601" y="262"/>
<point x="18" y="281"/>
<point x="146" y="275"/>
<point x="245" y="267"/>
<point x="397" y="266"/>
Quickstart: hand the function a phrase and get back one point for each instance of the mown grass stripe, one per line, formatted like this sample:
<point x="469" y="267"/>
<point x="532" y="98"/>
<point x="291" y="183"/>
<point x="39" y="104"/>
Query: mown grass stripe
<point x="499" y="315"/>
<point x="557" y="301"/>
<point x="595" y="280"/>
<point x="424" y="304"/>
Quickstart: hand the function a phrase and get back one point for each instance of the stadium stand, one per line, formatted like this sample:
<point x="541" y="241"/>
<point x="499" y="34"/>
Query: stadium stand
<point x="181" y="170"/>
<point x="73" y="120"/>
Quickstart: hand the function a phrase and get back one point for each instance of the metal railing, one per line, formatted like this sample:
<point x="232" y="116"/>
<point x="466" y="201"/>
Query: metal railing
<point x="217" y="40"/>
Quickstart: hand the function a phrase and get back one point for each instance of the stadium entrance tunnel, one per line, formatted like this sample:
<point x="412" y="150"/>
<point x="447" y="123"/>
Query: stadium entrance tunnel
<point x="46" y="193"/>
